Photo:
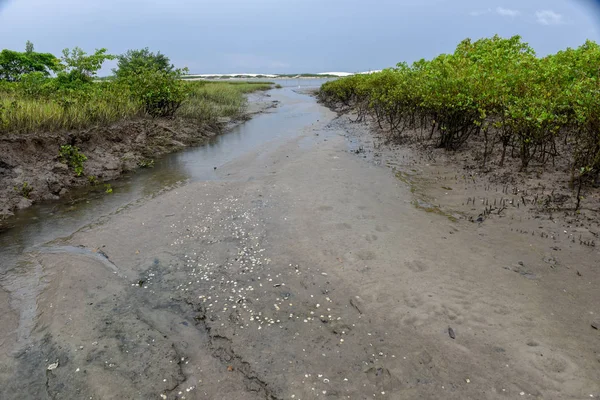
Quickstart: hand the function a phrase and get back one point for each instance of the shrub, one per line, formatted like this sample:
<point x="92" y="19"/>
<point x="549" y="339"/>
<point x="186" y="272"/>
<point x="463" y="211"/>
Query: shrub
<point x="13" y="64"/>
<point x="148" y="163"/>
<point x="73" y="158"/>
<point x="79" y="66"/>
<point x="135" y="62"/>
<point x="25" y="190"/>
<point x="161" y="93"/>
<point x="494" y="89"/>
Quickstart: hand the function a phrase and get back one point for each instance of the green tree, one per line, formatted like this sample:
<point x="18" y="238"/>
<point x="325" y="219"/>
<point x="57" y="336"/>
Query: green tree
<point x="28" y="47"/>
<point x="160" y="92"/>
<point x="79" y="66"/>
<point x="138" y="61"/>
<point x="14" y="64"/>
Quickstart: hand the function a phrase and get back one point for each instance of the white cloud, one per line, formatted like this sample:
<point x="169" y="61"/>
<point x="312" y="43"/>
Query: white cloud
<point x="506" y="12"/>
<point x="549" y="17"/>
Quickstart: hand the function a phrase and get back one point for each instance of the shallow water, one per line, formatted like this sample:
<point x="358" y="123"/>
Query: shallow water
<point x="48" y="221"/>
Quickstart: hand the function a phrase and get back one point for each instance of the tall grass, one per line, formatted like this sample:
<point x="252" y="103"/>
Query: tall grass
<point x="23" y="115"/>
<point x="103" y="103"/>
<point x="208" y="101"/>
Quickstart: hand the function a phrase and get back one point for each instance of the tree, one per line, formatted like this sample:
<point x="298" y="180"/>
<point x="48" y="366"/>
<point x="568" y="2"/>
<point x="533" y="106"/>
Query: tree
<point x="138" y="61"/>
<point x="161" y="92"/>
<point x="28" y="47"/>
<point x="13" y="64"/>
<point x="78" y="65"/>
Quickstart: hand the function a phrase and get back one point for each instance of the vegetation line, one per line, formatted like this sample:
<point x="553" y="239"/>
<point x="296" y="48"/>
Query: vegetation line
<point x="42" y="93"/>
<point x="494" y="93"/>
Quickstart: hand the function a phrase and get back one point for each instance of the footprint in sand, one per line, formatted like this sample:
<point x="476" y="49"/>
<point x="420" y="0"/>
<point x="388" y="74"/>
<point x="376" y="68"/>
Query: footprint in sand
<point x="417" y="266"/>
<point x="365" y="255"/>
<point x="382" y="228"/>
<point x="325" y="208"/>
<point x="343" y="226"/>
<point x="371" y="238"/>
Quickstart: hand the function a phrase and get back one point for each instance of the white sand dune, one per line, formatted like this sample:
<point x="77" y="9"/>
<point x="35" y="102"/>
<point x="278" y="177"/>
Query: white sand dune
<point x="370" y="72"/>
<point x="253" y="75"/>
<point x="231" y="75"/>
<point x="340" y="74"/>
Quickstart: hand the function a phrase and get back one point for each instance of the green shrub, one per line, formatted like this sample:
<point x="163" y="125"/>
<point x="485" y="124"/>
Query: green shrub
<point x="73" y="158"/>
<point x="13" y="64"/>
<point x="495" y="89"/>
<point x="25" y="190"/>
<point x="79" y="66"/>
<point x="160" y="92"/>
<point x="146" y="163"/>
<point x="135" y="62"/>
<point x="93" y="180"/>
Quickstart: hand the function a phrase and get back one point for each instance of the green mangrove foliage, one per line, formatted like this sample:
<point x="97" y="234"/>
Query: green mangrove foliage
<point x="137" y="61"/>
<point x="495" y="92"/>
<point x="72" y="157"/>
<point x="13" y="64"/>
<point x="42" y="93"/>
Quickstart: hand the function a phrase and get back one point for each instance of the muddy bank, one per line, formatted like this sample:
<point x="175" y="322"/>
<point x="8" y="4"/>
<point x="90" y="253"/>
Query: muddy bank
<point x="31" y="169"/>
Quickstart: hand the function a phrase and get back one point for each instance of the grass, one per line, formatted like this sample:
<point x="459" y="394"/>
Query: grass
<point x="107" y="103"/>
<point x="208" y="101"/>
<point x="22" y="115"/>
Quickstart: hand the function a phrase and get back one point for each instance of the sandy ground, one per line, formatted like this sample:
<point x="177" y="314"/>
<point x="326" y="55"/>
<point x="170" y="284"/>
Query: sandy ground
<point x="307" y="272"/>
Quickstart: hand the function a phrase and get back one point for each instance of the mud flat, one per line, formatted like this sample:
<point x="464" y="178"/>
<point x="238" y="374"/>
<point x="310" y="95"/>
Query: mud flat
<point x="306" y="271"/>
<point x="539" y="202"/>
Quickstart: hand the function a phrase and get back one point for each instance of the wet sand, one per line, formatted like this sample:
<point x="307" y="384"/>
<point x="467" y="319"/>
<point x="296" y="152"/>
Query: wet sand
<point x="305" y="272"/>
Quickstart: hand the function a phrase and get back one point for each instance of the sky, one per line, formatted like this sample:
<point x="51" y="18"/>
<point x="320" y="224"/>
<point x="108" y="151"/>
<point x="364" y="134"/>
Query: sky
<point x="292" y="36"/>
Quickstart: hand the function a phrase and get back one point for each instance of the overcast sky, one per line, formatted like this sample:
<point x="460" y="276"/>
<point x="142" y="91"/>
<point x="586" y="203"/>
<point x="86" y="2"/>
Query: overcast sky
<point x="291" y="36"/>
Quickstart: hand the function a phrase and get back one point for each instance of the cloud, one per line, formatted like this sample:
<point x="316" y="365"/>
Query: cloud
<point x="549" y="17"/>
<point x="507" y="12"/>
<point x="504" y="12"/>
